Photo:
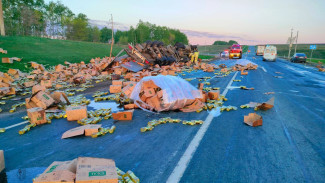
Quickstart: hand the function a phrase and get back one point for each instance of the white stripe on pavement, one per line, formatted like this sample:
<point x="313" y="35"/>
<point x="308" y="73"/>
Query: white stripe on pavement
<point x="182" y="164"/>
<point x="264" y="69"/>
<point x="8" y="127"/>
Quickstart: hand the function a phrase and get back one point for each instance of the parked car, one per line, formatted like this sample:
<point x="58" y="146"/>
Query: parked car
<point x="299" y="57"/>
<point x="224" y="54"/>
<point x="270" y="53"/>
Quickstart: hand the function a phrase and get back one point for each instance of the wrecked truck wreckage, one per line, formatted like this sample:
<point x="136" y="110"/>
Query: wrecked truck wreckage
<point x="151" y="53"/>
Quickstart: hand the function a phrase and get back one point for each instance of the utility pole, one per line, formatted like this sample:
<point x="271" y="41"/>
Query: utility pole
<point x="2" y="24"/>
<point x="112" y="41"/>
<point x="290" y="44"/>
<point x="296" y="42"/>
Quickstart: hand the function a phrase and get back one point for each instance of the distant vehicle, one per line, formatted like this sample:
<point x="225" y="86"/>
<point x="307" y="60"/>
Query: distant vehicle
<point x="235" y="51"/>
<point x="224" y="54"/>
<point x="260" y="50"/>
<point x="299" y="57"/>
<point x="270" y="53"/>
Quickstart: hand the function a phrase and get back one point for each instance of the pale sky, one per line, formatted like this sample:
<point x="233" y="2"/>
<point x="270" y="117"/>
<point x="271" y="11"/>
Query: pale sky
<point x="204" y="21"/>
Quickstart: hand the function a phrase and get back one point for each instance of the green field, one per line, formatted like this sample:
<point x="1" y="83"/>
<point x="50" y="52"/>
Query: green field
<point x="318" y="54"/>
<point x="50" y="51"/>
<point x="206" y="56"/>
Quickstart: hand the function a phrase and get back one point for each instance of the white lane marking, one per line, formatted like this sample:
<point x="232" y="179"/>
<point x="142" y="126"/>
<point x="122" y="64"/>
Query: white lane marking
<point x="264" y="69"/>
<point x="182" y="164"/>
<point x="8" y="127"/>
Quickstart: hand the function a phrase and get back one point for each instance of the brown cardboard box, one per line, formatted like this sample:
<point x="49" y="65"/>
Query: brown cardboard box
<point x="96" y="170"/>
<point x="214" y="94"/>
<point x="266" y="105"/>
<point x="197" y="104"/>
<point x="105" y="73"/>
<point x="117" y="82"/>
<point x="7" y="60"/>
<point x="29" y="84"/>
<point x="243" y="73"/>
<point x="123" y="116"/>
<point x="130" y="106"/>
<point x="115" y="88"/>
<point x="170" y="72"/>
<point x="86" y="130"/>
<point x="115" y="77"/>
<point x="75" y="113"/>
<point x="59" y="171"/>
<point x="128" y="89"/>
<point x="12" y="91"/>
<point x="224" y="70"/>
<point x="46" y="83"/>
<point x="37" y="88"/>
<point x="42" y="99"/>
<point x="30" y="104"/>
<point x="253" y="119"/>
<point x="36" y="115"/>
<point x="149" y="92"/>
<point x="200" y="86"/>
<point x="2" y="161"/>
<point x="154" y="102"/>
<point x="60" y="97"/>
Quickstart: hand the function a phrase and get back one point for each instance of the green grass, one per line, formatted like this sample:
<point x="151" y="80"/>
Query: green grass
<point x="315" y="60"/>
<point x="319" y="53"/>
<point x="50" y="51"/>
<point x="206" y="56"/>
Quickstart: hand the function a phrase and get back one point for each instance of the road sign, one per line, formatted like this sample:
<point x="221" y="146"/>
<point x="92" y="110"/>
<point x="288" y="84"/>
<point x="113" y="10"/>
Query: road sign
<point x="312" y="47"/>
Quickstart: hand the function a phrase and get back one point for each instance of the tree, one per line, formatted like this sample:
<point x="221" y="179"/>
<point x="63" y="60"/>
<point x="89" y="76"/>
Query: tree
<point x="220" y="43"/>
<point x="105" y="34"/>
<point x="79" y="28"/>
<point x="2" y="25"/>
<point x="231" y="42"/>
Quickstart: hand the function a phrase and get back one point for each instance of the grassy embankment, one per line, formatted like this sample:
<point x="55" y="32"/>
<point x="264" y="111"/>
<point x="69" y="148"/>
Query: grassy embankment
<point x="50" y="51"/>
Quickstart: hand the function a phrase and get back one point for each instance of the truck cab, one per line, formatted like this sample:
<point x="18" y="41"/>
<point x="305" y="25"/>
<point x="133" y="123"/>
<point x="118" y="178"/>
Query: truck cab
<point x="235" y="51"/>
<point x="260" y="50"/>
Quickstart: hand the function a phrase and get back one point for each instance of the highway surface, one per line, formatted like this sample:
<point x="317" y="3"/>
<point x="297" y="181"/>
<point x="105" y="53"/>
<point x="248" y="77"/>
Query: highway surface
<point x="289" y="147"/>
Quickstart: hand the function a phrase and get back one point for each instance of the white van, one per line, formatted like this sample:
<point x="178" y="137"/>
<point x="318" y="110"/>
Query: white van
<point x="260" y="50"/>
<point x="270" y="53"/>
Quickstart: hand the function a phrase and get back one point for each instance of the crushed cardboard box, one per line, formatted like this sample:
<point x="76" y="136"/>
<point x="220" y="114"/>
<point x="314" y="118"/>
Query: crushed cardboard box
<point x="253" y="119"/>
<point x="42" y="99"/>
<point x="59" y="171"/>
<point x="86" y="130"/>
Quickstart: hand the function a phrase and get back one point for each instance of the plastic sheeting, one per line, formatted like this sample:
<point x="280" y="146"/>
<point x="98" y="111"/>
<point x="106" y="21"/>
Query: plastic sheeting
<point x="177" y="92"/>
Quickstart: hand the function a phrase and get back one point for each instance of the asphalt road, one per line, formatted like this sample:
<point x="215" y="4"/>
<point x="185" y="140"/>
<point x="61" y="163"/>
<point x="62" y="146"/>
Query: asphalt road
<point x="289" y="147"/>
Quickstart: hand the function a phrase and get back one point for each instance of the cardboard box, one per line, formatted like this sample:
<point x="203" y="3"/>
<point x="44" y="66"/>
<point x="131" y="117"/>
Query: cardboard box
<point x="75" y="113"/>
<point x="243" y="73"/>
<point x="96" y="170"/>
<point x="200" y="86"/>
<point x="154" y="102"/>
<point x="38" y="88"/>
<point x="59" y="171"/>
<point x="253" y="119"/>
<point x="36" y="115"/>
<point x="29" y="84"/>
<point x="115" y="88"/>
<point x="42" y="99"/>
<point x="46" y="83"/>
<point x="7" y="60"/>
<point x="130" y="106"/>
<point x="2" y="161"/>
<point x="123" y="116"/>
<point x="60" y="97"/>
<point x="117" y="82"/>
<point x="127" y="91"/>
<point x="214" y="94"/>
<point x="30" y="104"/>
<point x="149" y="92"/>
<point x="86" y="130"/>
<point x="197" y="104"/>
<point x="170" y="72"/>
<point x="266" y="105"/>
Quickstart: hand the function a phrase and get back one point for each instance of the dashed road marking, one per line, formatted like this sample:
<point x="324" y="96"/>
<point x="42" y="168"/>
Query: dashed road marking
<point x="18" y="124"/>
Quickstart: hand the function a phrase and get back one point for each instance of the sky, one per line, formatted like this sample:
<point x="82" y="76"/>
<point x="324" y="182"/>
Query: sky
<point x="205" y="21"/>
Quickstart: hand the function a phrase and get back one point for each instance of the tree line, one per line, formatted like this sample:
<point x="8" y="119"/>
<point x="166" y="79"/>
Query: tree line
<point x="54" y="19"/>
<point x="230" y="42"/>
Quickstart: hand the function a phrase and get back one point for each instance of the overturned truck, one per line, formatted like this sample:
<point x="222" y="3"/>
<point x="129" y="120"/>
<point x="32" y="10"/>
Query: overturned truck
<point x="155" y="52"/>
